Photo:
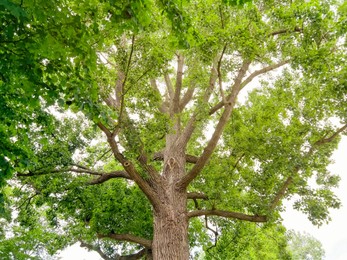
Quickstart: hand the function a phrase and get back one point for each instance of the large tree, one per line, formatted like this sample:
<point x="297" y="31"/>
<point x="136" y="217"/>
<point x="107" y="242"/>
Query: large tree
<point x="123" y="127"/>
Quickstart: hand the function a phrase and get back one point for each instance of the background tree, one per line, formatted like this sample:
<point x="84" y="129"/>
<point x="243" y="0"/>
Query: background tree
<point x="305" y="246"/>
<point x="155" y="145"/>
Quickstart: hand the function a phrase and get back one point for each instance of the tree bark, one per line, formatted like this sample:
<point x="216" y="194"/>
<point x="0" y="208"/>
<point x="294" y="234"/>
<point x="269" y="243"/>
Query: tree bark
<point x="170" y="240"/>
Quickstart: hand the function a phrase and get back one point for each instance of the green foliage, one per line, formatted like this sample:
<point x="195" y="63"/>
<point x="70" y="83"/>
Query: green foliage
<point x="62" y="61"/>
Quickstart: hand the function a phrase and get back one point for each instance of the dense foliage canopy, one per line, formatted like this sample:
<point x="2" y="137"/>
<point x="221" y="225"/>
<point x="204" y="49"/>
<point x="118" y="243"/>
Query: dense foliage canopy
<point x="121" y="120"/>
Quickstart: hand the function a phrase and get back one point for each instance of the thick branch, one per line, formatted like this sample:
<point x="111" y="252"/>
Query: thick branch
<point x="196" y="195"/>
<point x="227" y="214"/>
<point x="179" y="78"/>
<point x="218" y="130"/>
<point x="129" y="238"/>
<point x="129" y="167"/>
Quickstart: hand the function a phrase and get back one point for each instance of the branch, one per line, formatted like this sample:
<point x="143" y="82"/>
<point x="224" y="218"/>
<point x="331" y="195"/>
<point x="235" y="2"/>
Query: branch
<point x="227" y="214"/>
<point x="135" y="256"/>
<point x="248" y="80"/>
<point x="129" y="238"/>
<point x="282" y="31"/>
<point x="179" y="78"/>
<point x="169" y="86"/>
<point x="196" y="195"/>
<point x="262" y="71"/>
<point x="200" y="164"/>
<point x="188" y="131"/>
<point x="332" y="137"/>
<point x="215" y="232"/>
<point x="186" y="98"/>
<point x="163" y="107"/>
<point x="220" y="74"/>
<point x="130" y="168"/>
<point x="105" y="177"/>
<point x="96" y="249"/>
<point x="91" y="172"/>
<point x="280" y="194"/>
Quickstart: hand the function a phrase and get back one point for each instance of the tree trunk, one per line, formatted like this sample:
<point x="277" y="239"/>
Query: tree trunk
<point x="170" y="240"/>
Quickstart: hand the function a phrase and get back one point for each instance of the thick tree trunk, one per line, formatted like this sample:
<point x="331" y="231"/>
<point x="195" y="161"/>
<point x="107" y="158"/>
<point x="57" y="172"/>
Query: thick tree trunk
<point x="170" y="241"/>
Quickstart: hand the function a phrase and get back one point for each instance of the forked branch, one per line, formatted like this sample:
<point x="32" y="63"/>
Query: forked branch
<point x="185" y="180"/>
<point x="129" y="167"/>
<point x="248" y="80"/>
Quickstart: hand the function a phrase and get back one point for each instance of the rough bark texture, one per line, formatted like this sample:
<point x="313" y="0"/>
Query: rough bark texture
<point x="170" y="240"/>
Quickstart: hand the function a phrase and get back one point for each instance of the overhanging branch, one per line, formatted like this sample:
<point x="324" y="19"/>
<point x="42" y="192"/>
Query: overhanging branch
<point x="129" y="238"/>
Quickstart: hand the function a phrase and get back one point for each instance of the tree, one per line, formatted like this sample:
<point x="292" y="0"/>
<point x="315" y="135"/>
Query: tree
<point x="305" y="246"/>
<point x="154" y="145"/>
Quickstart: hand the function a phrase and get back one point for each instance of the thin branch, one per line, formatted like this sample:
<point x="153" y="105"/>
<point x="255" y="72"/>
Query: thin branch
<point x="332" y="137"/>
<point x="220" y="74"/>
<point x="262" y="71"/>
<point x="248" y="80"/>
<point x="129" y="238"/>
<point x="213" y="231"/>
<point x="283" y="31"/>
<point x="280" y="194"/>
<point x="169" y="86"/>
<point x="112" y="175"/>
<point x="96" y="249"/>
<point x="188" y="131"/>
<point x="91" y="172"/>
<point x="227" y="214"/>
<point x="126" y="77"/>
<point x="163" y="107"/>
<point x="186" y="98"/>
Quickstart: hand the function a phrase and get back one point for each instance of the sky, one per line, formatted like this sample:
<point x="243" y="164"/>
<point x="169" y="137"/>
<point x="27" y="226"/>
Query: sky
<point x="333" y="235"/>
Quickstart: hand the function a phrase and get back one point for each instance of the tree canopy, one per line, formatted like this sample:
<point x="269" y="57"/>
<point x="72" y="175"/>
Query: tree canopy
<point x="124" y="126"/>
